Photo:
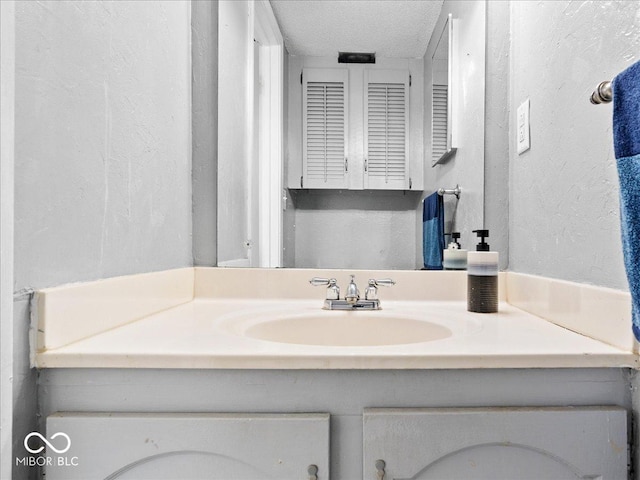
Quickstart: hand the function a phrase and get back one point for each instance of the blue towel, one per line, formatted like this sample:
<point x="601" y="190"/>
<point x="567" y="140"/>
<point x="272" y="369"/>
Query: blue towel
<point x="626" y="139"/>
<point x="433" y="231"/>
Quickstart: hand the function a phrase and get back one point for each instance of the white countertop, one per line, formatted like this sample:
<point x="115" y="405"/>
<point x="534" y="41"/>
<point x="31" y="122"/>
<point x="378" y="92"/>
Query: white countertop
<point x="192" y="335"/>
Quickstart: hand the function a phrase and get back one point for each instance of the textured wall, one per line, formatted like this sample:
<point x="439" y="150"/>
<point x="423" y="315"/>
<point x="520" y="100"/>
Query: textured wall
<point x="103" y="173"/>
<point x="564" y="216"/>
<point x="466" y="168"/>
<point x="102" y="154"/>
<point x="204" y="94"/>
<point x="496" y="128"/>
<point x="564" y="210"/>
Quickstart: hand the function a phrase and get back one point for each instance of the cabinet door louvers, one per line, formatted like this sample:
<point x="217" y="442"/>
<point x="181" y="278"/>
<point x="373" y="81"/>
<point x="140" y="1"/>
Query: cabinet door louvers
<point x="325" y="119"/>
<point x="439" y="126"/>
<point x="387" y="129"/>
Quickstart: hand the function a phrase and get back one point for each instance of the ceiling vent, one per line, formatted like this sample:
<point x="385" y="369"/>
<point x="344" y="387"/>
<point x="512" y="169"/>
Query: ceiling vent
<point x="355" y="57"/>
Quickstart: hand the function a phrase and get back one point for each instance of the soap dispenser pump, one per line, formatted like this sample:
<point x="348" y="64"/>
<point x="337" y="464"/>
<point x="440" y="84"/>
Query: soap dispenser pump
<point x="454" y="257"/>
<point x="482" y="246"/>
<point x="454" y="237"/>
<point x="482" y="277"/>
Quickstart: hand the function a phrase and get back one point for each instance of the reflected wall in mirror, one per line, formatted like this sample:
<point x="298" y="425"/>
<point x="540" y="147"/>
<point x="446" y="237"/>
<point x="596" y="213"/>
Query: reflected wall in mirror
<point x="469" y="122"/>
<point x="250" y="134"/>
<point x="356" y="226"/>
<point x="443" y="84"/>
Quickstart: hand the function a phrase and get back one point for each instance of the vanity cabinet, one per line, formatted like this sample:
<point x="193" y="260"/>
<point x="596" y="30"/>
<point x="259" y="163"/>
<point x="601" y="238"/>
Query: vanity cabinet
<point x="495" y="443"/>
<point x="184" y="446"/>
<point x="355" y="126"/>
<point x="427" y="424"/>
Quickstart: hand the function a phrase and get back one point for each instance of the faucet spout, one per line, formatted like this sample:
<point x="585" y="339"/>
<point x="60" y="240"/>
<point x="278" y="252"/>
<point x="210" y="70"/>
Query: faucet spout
<point x="352" y="295"/>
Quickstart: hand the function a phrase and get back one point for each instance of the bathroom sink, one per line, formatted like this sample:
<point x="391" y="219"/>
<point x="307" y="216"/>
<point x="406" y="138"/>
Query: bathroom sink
<point x="348" y="329"/>
<point x="340" y="328"/>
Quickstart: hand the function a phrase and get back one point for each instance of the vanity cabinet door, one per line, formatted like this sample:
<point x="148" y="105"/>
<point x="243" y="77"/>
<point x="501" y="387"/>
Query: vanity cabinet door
<point x="190" y="446"/>
<point x="495" y="443"/>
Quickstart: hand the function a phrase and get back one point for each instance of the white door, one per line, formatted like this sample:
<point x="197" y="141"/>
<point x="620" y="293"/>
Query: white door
<point x="141" y="446"/>
<point x="495" y="443"/>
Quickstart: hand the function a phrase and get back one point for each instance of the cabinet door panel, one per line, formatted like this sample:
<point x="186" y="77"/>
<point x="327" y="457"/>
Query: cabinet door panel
<point x="496" y="443"/>
<point x="188" y="465"/>
<point x="191" y="446"/>
<point x="386" y="129"/>
<point x="489" y="462"/>
<point x="325" y="103"/>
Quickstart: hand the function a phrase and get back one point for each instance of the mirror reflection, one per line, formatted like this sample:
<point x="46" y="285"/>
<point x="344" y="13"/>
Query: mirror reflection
<point x="324" y="164"/>
<point x="441" y="77"/>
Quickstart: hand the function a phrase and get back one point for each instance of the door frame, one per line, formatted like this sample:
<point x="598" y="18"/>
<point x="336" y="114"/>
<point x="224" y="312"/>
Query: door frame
<point x="270" y="125"/>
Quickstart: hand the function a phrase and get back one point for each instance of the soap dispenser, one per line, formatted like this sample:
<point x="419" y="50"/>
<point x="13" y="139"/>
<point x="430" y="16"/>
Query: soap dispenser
<point x="482" y="277"/>
<point x="454" y="257"/>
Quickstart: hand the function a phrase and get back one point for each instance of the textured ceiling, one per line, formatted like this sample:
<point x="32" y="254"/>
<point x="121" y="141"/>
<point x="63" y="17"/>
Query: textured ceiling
<point x="390" y="28"/>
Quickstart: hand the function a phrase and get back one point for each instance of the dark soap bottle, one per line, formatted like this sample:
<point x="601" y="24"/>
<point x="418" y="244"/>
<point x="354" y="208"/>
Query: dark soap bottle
<point x="482" y="277"/>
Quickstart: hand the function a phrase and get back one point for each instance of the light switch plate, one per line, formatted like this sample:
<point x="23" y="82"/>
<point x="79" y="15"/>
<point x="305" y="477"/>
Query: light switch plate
<point x="523" y="138"/>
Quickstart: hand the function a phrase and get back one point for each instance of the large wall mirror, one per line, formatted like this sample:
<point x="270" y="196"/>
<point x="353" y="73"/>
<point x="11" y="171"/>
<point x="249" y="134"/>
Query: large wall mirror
<point x="355" y="227"/>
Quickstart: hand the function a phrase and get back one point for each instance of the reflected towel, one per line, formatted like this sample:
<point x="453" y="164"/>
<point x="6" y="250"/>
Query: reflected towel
<point x="626" y="140"/>
<point x="433" y="231"/>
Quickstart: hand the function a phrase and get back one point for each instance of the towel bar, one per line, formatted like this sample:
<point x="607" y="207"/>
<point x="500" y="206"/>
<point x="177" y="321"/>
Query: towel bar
<point x="602" y="94"/>
<point x="453" y="191"/>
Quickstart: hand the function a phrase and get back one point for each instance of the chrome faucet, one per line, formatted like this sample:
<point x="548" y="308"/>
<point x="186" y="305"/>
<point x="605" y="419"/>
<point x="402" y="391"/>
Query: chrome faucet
<point x="351" y="299"/>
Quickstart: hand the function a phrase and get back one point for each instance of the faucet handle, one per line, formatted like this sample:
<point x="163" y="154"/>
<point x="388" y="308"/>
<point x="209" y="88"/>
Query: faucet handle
<point x="371" y="293"/>
<point x="385" y="282"/>
<point x="333" y="291"/>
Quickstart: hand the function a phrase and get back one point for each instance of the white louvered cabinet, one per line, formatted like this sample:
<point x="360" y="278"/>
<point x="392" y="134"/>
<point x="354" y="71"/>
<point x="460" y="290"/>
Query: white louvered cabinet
<point x="355" y="130"/>
<point x="325" y="128"/>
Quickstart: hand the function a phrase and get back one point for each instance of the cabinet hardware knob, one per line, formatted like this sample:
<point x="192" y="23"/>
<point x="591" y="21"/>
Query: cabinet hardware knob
<point x="313" y="472"/>
<point x="380" y="466"/>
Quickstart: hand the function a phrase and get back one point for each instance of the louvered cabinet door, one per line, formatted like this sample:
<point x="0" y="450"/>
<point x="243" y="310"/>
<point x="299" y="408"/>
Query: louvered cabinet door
<point x="386" y="132"/>
<point x="439" y="122"/>
<point x="324" y="128"/>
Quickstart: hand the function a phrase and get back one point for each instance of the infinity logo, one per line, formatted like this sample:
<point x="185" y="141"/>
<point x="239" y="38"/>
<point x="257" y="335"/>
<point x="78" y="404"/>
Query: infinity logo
<point x="38" y="450"/>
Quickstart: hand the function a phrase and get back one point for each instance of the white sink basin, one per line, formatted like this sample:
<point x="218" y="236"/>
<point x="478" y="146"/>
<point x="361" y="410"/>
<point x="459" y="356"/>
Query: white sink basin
<point x="347" y="329"/>
<point x="317" y="327"/>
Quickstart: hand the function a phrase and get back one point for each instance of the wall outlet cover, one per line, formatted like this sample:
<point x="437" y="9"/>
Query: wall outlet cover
<point x="523" y="136"/>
